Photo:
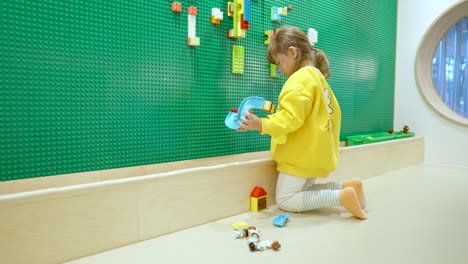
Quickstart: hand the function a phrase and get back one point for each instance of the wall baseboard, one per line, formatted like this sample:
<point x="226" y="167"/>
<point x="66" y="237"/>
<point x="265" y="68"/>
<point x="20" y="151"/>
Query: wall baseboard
<point x="53" y="221"/>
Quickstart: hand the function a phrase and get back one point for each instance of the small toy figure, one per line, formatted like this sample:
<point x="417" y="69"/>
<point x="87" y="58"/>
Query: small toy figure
<point x="253" y="235"/>
<point x="405" y="129"/>
<point x="390" y="131"/>
<point x="263" y="245"/>
<point x="254" y="242"/>
<point x="248" y="232"/>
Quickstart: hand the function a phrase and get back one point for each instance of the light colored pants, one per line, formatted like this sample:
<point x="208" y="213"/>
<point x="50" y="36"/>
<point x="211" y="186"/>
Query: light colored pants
<point x="298" y="194"/>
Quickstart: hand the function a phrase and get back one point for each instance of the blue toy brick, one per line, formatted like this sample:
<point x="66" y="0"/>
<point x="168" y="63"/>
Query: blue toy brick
<point x="252" y="102"/>
<point x="247" y="11"/>
<point x="280" y="220"/>
<point x="275" y="15"/>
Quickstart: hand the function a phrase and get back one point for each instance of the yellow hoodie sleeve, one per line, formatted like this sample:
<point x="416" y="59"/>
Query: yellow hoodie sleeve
<point x="294" y="109"/>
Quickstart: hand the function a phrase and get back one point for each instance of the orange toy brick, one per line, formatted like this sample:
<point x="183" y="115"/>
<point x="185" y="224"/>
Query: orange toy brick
<point x="176" y="7"/>
<point x="192" y="10"/>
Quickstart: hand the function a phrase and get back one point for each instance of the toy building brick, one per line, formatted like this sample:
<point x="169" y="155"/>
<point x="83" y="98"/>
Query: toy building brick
<point x="239" y="226"/>
<point x="239" y="10"/>
<point x="192" y="40"/>
<point x="216" y="16"/>
<point x="238" y="59"/>
<point x="176" y="7"/>
<point x="258" y="199"/>
<point x="193" y="10"/>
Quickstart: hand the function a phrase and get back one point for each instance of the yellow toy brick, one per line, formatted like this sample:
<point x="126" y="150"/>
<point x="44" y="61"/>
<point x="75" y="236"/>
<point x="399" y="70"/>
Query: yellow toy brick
<point x="258" y="204"/>
<point x="215" y="21"/>
<point x="268" y="107"/>
<point x="258" y="199"/>
<point x="230" y="9"/>
<point x="193" y="41"/>
<point x="240" y="226"/>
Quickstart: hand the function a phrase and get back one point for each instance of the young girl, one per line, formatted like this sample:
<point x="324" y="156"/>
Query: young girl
<point x="305" y="130"/>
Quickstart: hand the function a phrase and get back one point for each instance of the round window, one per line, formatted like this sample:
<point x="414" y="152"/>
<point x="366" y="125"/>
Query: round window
<point x="441" y="64"/>
<point x="449" y="72"/>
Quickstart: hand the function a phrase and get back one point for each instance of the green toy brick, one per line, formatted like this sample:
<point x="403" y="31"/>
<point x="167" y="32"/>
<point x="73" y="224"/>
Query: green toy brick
<point x="368" y="138"/>
<point x="237" y="59"/>
<point x="273" y="70"/>
<point x="376" y="137"/>
<point x="400" y="134"/>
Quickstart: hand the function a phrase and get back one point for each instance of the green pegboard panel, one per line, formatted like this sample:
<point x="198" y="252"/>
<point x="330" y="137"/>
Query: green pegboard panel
<point x="93" y="85"/>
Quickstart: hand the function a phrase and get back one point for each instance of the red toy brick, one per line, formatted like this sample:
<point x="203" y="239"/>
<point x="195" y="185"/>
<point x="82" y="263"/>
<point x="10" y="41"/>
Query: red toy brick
<point x="258" y="192"/>
<point x="192" y="10"/>
<point x="176" y="7"/>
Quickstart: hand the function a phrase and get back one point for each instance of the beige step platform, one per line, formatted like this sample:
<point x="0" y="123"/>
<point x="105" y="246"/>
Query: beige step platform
<point x="416" y="215"/>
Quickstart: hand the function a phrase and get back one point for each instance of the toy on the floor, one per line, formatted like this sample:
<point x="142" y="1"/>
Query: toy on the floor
<point x="253" y="239"/>
<point x="264" y="245"/>
<point x="240" y="226"/>
<point x="258" y="199"/>
<point x="253" y="102"/>
<point x="247" y="232"/>
<point x="280" y="220"/>
<point x="255" y="244"/>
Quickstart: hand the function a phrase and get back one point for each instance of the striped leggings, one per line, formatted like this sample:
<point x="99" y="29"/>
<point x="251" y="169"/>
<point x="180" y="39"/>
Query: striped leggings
<point x="297" y="194"/>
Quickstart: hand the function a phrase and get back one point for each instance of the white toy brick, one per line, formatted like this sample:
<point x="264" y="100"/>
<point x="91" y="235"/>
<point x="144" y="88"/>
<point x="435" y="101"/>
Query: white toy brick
<point x="312" y="35"/>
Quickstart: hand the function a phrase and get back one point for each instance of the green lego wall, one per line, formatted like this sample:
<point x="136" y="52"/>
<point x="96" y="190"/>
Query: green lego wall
<point x="93" y="85"/>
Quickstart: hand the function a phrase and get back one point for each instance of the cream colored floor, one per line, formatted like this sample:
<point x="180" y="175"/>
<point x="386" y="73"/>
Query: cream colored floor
<point x="416" y="215"/>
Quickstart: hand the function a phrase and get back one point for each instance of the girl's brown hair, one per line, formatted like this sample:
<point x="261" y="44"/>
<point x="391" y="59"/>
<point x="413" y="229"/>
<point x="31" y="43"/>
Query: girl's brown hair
<point x="289" y="36"/>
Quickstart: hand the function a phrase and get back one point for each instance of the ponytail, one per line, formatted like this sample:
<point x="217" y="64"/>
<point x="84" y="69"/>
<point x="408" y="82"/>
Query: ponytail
<point x="321" y="62"/>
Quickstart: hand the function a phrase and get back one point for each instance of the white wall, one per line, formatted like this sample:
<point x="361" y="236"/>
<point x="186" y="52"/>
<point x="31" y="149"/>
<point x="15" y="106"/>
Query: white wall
<point x="446" y="142"/>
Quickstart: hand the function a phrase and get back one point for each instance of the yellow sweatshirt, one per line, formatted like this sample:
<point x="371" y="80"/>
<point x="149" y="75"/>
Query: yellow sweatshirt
<point x="305" y="130"/>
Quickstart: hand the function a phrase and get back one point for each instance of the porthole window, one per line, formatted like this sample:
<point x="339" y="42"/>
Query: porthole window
<point x="441" y="64"/>
<point x="449" y="72"/>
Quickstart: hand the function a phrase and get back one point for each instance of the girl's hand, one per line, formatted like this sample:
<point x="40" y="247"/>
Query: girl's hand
<point x="252" y="122"/>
